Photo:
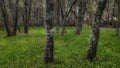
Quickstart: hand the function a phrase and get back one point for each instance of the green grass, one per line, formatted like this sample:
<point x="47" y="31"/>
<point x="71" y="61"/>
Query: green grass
<point x="27" y="50"/>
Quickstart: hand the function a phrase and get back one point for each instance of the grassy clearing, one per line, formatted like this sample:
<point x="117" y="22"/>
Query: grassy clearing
<point x="27" y="51"/>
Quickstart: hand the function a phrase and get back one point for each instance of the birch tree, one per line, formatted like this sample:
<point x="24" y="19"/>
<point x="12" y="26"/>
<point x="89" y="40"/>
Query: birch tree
<point x="49" y="55"/>
<point x="94" y="39"/>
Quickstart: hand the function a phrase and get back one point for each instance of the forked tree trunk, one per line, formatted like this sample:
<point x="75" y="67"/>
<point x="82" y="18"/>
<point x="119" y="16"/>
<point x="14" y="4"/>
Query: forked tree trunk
<point x="65" y="16"/>
<point x="95" y="30"/>
<point x="49" y="57"/>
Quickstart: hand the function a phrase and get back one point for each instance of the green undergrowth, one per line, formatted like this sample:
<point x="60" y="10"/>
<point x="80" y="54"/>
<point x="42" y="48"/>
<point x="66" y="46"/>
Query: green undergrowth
<point x="27" y="50"/>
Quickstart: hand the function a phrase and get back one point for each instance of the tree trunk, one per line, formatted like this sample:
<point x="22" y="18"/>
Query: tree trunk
<point x="95" y="30"/>
<point x="19" y="29"/>
<point x="16" y="18"/>
<point x="65" y="15"/>
<point x="6" y="19"/>
<point x="113" y="15"/>
<point x="81" y="12"/>
<point x="118" y="23"/>
<point x="26" y="16"/>
<point x="27" y="12"/>
<point x="117" y="29"/>
<point x="49" y="57"/>
<point x="64" y="27"/>
<point x="58" y="20"/>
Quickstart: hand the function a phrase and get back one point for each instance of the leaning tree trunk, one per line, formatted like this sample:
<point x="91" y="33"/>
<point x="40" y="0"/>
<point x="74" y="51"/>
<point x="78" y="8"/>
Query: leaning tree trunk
<point x="5" y="17"/>
<point x="81" y="12"/>
<point x="49" y="57"/>
<point x="65" y="16"/>
<point x="95" y="30"/>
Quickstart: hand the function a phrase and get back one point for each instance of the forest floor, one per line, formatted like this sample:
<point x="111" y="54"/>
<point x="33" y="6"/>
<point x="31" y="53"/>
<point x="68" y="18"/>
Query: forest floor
<point x="27" y="50"/>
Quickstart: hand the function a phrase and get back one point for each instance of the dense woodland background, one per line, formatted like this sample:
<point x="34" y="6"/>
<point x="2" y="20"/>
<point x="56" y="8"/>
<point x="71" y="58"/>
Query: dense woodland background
<point x="68" y="25"/>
